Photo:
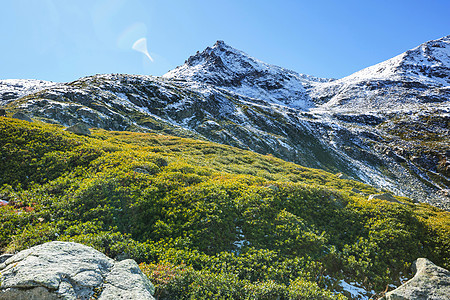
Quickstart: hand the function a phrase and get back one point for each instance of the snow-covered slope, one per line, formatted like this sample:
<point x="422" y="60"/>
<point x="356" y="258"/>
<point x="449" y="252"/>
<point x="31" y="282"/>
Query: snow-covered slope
<point x="417" y="76"/>
<point x="11" y="89"/>
<point x="428" y="63"/>
<point x="228" y="68"/>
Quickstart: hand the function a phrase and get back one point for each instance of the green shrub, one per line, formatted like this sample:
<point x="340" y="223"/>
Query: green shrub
<point x="207" y="220"/>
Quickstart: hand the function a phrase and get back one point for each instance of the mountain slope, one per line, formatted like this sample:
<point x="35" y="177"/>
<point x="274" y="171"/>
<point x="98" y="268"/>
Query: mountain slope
<point x="209" y="220"/>
<point x="11" y="89"/>
<point x="386" y="125"/>
<point x="145" y="103"/>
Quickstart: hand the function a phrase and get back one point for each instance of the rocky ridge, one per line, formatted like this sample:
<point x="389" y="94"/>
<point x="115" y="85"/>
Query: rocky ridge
<point x="230" y="69"/>
<point x="11" y="89"/>
<point x="387" y="125"/>
<point x="406" y="82"/>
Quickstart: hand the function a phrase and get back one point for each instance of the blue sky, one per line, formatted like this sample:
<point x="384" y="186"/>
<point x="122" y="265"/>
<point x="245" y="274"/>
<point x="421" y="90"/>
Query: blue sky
<point x="61" y="40"/>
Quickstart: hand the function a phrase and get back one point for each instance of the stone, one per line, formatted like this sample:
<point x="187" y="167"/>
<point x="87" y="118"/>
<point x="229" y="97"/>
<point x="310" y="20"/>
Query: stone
<point x="37" y="293"/>
<point x="384" y="196"/>
<point x="430" y="282"/>
<point x="79" y="128"/>
<point x="274" y="188"/>
<point x="343" y="176"/>
<point x="21" y="116"/>
<point x="141" y="170"/>
<point x="133" y="286"/>
<point x="66" y="270"/>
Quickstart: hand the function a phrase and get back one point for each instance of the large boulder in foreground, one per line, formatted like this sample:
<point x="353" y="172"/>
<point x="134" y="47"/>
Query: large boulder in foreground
<point x="65" y="270"/>
<point x="430" y="283"/>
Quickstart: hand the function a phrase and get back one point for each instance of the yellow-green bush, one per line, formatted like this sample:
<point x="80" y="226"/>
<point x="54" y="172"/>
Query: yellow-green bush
<point x="217" y="221"/>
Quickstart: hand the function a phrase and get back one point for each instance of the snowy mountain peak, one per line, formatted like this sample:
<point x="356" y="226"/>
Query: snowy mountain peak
<point x="210" y="56"/>
<point x="428" y="62"/>
<point x="420" y="75"/>
<point x="228" y="68"/>
<point x="219" y="65"/>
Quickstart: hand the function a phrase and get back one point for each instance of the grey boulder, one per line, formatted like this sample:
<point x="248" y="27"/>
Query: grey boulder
<point x="384" y="196"/>
<point x="65" y="270"/>
<point x="79" y="128"/>
<point x="431" y="282"/>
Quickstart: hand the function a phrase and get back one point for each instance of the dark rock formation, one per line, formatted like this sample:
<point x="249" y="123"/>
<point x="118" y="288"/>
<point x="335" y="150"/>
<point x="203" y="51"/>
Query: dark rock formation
<point x="384" y="196"/>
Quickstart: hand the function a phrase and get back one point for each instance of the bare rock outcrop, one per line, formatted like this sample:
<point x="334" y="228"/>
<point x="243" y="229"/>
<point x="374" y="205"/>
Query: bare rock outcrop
<point x="384" y="196"/>
<point x="21" y="116"/>
<point x="431" y="282"/>
<point x="79" y="128"/>
<point x="66" y="270"/>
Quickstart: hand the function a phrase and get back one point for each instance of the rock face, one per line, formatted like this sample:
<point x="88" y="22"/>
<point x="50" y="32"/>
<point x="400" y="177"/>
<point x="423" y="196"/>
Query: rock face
<point x="80" y="129"/>
<point x="430" y="283"/>
<point x="4" y="257"/>
<point x="12" y="89"/>
<point x="65" y="270"/>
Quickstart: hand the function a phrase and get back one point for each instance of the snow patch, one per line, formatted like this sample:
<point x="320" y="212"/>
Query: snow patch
<point x="355" y="292"/>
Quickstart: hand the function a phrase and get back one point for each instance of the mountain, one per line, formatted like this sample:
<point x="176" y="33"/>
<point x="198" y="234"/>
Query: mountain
<point x="415" y="77"/>
<point x="233" y="70"/>
<point x="145" y="103"/>
<point x="387" y="125"/>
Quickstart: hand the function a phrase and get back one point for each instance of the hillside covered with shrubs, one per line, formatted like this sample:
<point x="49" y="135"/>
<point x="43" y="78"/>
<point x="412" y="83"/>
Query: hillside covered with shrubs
<point x="206" y="220"/>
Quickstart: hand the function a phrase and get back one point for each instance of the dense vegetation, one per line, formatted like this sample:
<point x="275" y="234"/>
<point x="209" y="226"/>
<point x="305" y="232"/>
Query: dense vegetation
<point x="207" y="220"/>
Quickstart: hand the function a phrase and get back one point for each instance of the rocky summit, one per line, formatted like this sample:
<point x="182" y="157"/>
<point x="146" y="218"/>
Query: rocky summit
<point x="386" y="125"/>
<point x="65" y="270"/>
